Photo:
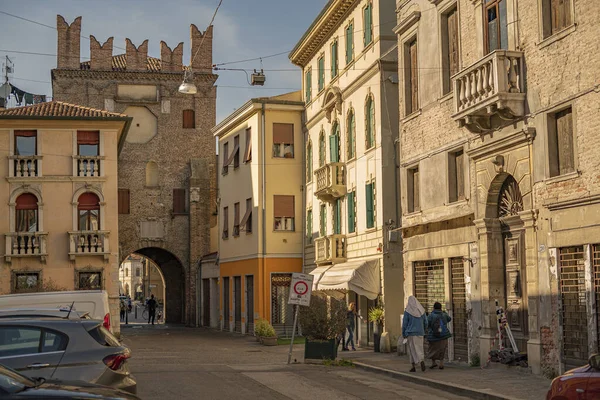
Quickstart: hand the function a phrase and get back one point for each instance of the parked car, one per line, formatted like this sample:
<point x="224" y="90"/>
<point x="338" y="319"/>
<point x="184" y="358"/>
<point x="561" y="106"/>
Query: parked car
<point x="581" y="383"/>
<point x="66" y="349"/>
<point x="94" y="302"/>
<point x="43" y="313"/>
<point x="16" y="386"/>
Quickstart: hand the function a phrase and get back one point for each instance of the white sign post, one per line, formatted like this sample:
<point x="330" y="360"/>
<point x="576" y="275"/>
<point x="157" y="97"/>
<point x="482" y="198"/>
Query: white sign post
<point x="300" y="291"/>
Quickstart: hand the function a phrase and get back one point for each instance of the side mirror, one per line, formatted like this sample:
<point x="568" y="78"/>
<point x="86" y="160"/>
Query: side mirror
<point x="594" y="361"/>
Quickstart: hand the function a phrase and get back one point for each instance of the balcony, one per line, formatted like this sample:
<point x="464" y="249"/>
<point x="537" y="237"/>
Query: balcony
<point x="25" y="166"/>
<point x="87" y="166"/>
<point x="330" y="249"/>
<point x="330" y="181"/>
<point x="490" y="91"/>
<point x="26" y="244"/>
<point x="88" y="243"/>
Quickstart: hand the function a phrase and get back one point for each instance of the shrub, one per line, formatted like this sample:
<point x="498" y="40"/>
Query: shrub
<point x="324" y="319"/>
<point x="262" y="328"/>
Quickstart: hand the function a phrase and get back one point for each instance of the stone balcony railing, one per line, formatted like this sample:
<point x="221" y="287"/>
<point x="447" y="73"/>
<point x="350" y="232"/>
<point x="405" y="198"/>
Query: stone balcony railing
<point x="87" y="166"/>
<point x="88" y="243"/>
<point x="491" y="90"/>
<point x="330" y="181"/>
<point x="330" y="249"/>
<point x="26" y="244"/>
<point x="25" y="166"/>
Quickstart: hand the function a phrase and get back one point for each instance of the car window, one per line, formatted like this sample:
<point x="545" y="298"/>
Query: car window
<point x="103" y="336"/>
<point x="54" y="341"/>
<point x="16" y="340"/>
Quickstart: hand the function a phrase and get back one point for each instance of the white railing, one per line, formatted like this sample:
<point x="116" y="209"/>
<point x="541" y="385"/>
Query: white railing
<point x="25" y="166"/>
<point x="330" y="181"/>
<point x="88" y="166"/>
<point x="26" y="244"/>
<point x="83" y="243"/>
<point x="330" y="249"/>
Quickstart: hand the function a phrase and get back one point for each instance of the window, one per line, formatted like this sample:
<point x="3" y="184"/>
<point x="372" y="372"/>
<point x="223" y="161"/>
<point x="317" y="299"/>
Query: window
<point x="309" y="227"/>
<point x="323" y="220"/>
<point x="308" y="85"/>
<point x="456" y="176"/>
<point x="89" y="280"/>
<point x="349" y="43"/>
<point x="351" y="141"/>
<point x="26" y="282"/>
<point x="248" y="152"/>
<point x="449" y="48"/>
<point x="556" y="16"/>
<point x="370" y="201"/>
<point x="321" y="63"/>
<point x="411" y="77"/>
<point x="334" y="59"/>
<point x="225" y="158"/>
<point x="284" y="213"/>
<point x="179" y="201"/>
<point x="247" y="219"/>
<point x="137" y="272"/>
<point x="236" y="219"/>
<point x="337" y="217"/>
<point x="88" y="149"/>
<point x="151" y="174"/>
<point x="53" y="341"/>
<point x="189" y="119"/>
<point x="561" y="142"/>
<point x="334" y="143"/>
<point x="283" y="140"/>
<point x="370" y="122"/>
<point x="225" y="223"/>
<point x="413" y="189"/>
<point x="309" y="162"/>
<point x="496" y="28"/>
<point x="123" y="201"/>
<point x="19" y="341"/>
<point x="25" y="143"/>
<point x="351" y="203"/>
<point x="236" y="155"/>
<point x="26" y="209"/>
<point x="88" y="208"/>
<point x="368" y="24"/>
<point x="322" y="149"/>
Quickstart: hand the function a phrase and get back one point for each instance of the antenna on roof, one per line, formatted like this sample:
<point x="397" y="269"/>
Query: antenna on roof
<point x="70" y="309"/>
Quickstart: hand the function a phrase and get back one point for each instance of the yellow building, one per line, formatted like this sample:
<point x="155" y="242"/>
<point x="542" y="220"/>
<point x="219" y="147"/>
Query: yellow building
<point x="260" y="212"/>
<point x="59" y="199"/>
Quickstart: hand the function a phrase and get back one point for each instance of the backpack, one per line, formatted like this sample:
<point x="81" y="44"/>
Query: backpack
<point x="438" y="327"/>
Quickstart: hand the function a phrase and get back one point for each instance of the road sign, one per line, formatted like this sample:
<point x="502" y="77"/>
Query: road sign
<point x="301" y="289"/>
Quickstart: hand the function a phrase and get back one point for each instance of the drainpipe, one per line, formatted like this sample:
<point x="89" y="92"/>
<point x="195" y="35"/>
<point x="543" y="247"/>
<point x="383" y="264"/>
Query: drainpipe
<point x="303" y="189"/>
<point x="263" y="204"/>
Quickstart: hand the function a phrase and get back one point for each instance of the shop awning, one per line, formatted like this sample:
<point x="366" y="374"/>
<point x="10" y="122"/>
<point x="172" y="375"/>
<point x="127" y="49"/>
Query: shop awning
<point x="361" y="277"/>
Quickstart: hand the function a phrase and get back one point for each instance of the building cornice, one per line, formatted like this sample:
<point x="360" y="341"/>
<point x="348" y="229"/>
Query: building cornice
<point x="571" y="203"/>
<point x="130" y="75"/>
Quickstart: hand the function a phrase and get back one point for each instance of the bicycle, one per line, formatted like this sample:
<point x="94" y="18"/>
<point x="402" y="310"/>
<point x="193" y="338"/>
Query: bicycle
<point x="145" y="313"/>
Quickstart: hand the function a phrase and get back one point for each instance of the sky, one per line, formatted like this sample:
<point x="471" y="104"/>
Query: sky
<point x="243" y="29"/>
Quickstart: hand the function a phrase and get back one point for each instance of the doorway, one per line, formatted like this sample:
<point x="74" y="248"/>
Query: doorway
<point x="250" y="304"/>
<point x="237" y="303"/>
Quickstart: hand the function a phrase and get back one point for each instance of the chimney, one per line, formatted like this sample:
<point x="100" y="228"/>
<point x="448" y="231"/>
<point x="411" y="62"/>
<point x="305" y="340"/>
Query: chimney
<point x="171" y="60"/>
<point x="101" y="55"/>
<point x="137" y="57"/>
<point x="203" y="61"/>
<point x="68" y="54"/>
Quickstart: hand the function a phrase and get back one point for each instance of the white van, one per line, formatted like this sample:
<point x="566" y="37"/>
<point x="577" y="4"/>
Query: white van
<point x="93" y="302"/>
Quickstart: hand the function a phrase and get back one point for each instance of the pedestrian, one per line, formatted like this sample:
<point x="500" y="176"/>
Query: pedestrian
<point x="438" y="335"/>
<point x="151" y="309"/>
<point x="129" y="304"/>
<point x="350" y="324"/>
<point x="414" y="326"/>
<point x="122" y="309"/>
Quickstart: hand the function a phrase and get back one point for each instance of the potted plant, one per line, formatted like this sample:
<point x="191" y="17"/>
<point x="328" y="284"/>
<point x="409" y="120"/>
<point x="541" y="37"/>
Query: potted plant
<point x="376" y="316"/>
<point x="265" y="332"/>
<point x="322" y="322"/>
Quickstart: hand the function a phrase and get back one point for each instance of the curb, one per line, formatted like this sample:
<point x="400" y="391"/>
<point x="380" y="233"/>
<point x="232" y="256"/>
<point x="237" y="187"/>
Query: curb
<point x="448" y="387"/>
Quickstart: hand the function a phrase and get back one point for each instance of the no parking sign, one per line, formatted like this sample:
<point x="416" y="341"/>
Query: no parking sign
<point x="300" y="289"/>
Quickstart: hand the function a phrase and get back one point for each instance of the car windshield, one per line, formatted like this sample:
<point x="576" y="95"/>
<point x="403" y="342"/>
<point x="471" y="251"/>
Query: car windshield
<point x="103" y="336"/>
<point x="13" y="382"/>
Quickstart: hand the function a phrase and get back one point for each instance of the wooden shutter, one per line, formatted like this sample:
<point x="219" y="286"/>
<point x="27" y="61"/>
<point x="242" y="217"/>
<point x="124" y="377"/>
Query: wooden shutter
<point x="236" y="219"/>
<point x="323" y="220"/>
<point x="351" y="138"/>
<point x="283" y="206"/>
<point x="321" y="63"/>
<point x="416" y="189"/>
<point x="338" y="217"/>
<point x="248" y="152"/>
<point x="561" y="14"/>
<point x="236" y="152"/>
<point x="189" y="119"/>
<point x="123" y="201"/>
<point x="459" y="157"/>
<point x="368" y="31"/>
<point x="350" y="203"/>
<point x="308" y="85"/>
<point x="414" y="77"/>
<point x="564" y="132"/>
<point x="247" y="216"/>
<point x="88" y="137"/>
<point x="179" y="201"/>
<point x="225" y="222"/>
<point x="309" y="162"/>
<point x="283" y="133"/>
<point x="321" y="149"/>
<point x="309" y="221"/>
<point x="453" y="43"/>
<point x="369" y="202"/>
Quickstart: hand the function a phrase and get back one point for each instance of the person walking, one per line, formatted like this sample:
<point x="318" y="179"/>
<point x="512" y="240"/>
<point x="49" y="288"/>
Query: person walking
<point x="151" y="309"/>
<point x="351" y="324"/>
<point x="438" y="335"/>
<point x="122" y="309"/>
<point x="414" y="326"/>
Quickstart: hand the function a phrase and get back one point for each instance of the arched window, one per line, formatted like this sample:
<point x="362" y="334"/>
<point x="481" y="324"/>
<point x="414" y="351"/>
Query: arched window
<point x="151" y="174"/>
<point x="88" y="210"/>
<point x="334" y="143"/>
<point x="309" y="162"/>
<point x="26" y="213"/>
<point x="322" y="150"/>
<point x="370" y="122"/>
<point x="351" y="136"/>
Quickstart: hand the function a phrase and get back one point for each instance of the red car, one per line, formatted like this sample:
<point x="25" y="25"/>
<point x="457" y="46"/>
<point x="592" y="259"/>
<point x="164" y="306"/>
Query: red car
<point x="581" y="383"/>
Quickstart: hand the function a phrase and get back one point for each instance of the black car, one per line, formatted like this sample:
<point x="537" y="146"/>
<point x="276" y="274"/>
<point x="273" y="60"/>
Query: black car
<point x="16" y="386"/>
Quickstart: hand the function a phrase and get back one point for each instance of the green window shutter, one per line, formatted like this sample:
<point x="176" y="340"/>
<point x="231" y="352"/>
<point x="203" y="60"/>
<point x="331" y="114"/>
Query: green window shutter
<point x="368" y="18"/>
<point x="321" y="73"/>
<point x="349" y="43"/>
<point x="350" y="201"/>
<point x="308" y="83"/>
<point x="337" y="228"/>
<point x="309" y="226"/>
<point x="334" y="59"/>
<point x="323" y="221"/>
<point x="369" y="201"/>
<point x="351" y="132"/>
<point x="372" y="123"/>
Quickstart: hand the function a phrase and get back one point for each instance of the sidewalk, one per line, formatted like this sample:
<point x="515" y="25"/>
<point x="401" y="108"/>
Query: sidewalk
<point x="495" y="382"/>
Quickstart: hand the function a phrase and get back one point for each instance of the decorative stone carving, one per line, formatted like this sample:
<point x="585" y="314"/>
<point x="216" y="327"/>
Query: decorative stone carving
<point x="511" y="202"/>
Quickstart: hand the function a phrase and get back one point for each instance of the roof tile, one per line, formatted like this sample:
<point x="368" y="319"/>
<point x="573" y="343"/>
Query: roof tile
<point x="58" y="109"/>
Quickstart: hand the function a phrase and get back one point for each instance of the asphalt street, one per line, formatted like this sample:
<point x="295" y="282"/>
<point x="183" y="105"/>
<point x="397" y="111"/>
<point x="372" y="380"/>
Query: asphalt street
<point x="186" y="363"/>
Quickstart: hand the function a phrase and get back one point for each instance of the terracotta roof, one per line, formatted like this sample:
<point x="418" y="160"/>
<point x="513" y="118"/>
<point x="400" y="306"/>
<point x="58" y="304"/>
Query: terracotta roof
<point x="58" y="109"/>
<point x="119" y="63"/>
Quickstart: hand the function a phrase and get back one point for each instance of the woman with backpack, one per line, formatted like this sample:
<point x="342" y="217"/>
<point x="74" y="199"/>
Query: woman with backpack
<point x="414" y="325"/>
<point x="438" y="335"/>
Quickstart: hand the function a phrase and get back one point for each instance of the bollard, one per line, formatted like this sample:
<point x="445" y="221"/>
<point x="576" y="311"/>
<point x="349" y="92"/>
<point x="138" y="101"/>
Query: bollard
<point x="136" y="312"/>
<point x="126" y="317"/>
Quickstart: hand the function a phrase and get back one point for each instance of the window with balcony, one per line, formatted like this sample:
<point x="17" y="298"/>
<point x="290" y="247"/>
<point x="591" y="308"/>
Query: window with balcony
<point x="368" y="24"/>
<point x="225" y="234"/>
<point x="26" y="282"/>
<point x="283" y="140"/>
<point x="557" y="15"/>
<point x="309" y="162"/>
<point x="370" y="122"/>
<point x="334" y="143"/>
<point x="25" y="160"/>
<point x="283" y="213"/>
<point x="308" y="85"/>
<point x="561" y="142"/>
<point x="123" y="201"/>
<point x="246" y="223"/>
<point x="413" y="189"/>
<point x="322" y="149"/>
<point x="334" y="59"/>
<point x="309" y="226"/>
<point x="351" y="136"/>
<point x="248" y="152"/>
<point x="236" y="155"/>
<point x="88" y="209"/>
<point x="180" y="204"/>
<point x="456" y="176"/>
<point x="337" y="217"/>
<point x="450" y="63"/>
<point x="321" y="64"/>
<point x="370" y="204"/>
<point x="26" y="213"/>
<point x="236" y="219"/>
<point x="189" y="119"/>
<point x="88" y="152"/>
<point x="351" y="204"/>
<point x="411" y="77"/>
<point x="349" y="42"/>
<point x="89" y="280"/>
<point x="495" y="25"/>
<point x="323" y="220"/>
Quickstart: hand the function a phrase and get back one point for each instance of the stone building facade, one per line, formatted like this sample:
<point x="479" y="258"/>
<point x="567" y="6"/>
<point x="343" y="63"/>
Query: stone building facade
<point x="167" y="183"/>
<point x="499" y="170"/>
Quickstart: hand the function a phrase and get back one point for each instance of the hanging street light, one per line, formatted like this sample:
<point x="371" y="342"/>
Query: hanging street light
<point x="188" y="86"/>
